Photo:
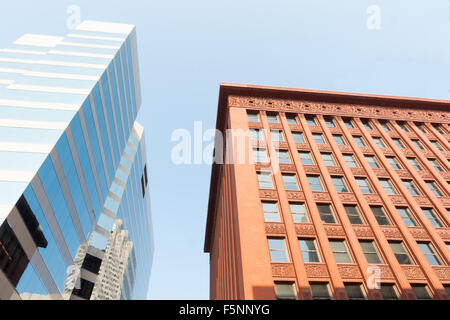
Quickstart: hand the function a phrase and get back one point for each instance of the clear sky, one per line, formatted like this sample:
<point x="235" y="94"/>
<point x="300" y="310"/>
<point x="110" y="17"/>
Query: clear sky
<point x="186" y="48"/>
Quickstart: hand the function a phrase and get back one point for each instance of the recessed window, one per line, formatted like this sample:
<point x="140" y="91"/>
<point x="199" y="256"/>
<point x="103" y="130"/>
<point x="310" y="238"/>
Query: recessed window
<point x="354" y="291"/>
<point x="328" y="159"/>
<point x="277" y="135"/>
<point x="330" y="122"/>
<point x="372" y="162"/>
<point x="421" y="291"/>
<point x="418" y="144"/>
<point x="290" y="181"/>
<point x="348" y="123"/>
<point x="434" y="188"/>
<point x="320" y="290"/>
<point x="438" y="128"/>
<point x="434" y="220"/>
<point x="270" y="210"/>
<point x="298" y="211"/>
<point x="403" y="126"/>
<point x="398" y="143"/>
<point x="436" y="165"/>
<point x="291" y="119"/>
<point x="370" y="251"/>
<point x="409" y="184"/>
<point x="380" y="215"/>
<point x="394" y="163"/>
<point x="389" y="291"/>
<point x="256" y="134"/>
<point x="415" y="164"/>
<point x="253" y="116"/>
<point x="400" y="252"/>
<point x="311" y="120"/>
<point x="260" y="155"/>
<point x="387" y="186"/>
<point x="340" y="251"/>
<point x="429" y="253"/>
<point x="353" y="214"/>
<point x="309" y="250"/>
<point x="326" y="212"/>
<point x="350" y="160"/>
<point x="366" y="124"/>
<point x="272" y="118"/>
<point x="285" y="291"/>
<point x="437" y="145"/>
<point x="339" y="184"/>
<point x="339" y="139"/>
<point x="385" y="125"/>
<point x="359" y="141"/>
<point x="305" y="158"/>
<point x="379" y="142"/>
<point x="364" y="185"/>
<point x="277" y="248"/>
<point x="265" y="180"/>
<point x="421" y="127"/>
<point x="314" y="183"/>
<point x="407" y="217"/>
<point x="298" y="137"/>
<point x="283" y="156"/>
<point x="318" y="138"/>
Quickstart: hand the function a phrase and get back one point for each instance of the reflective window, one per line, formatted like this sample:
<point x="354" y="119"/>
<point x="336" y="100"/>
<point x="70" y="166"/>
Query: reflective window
<point x="272" y="118"/>
<point x="435" y="163"/>
<point x="418" y="144"/>
<point x="283" y="156"/>
<point x="326" y="212"/>
<point x="353" y="214"/>
<point x="400" y="252"/>
<point x="305" y="157"/>
<point x="311" y="120"/>
<point x="394" y="163"/>
<point x="270" y="210"/>
<point x="370" y="251"/>
<point x="298" y="137"/>
<point x="298" y="211"/>
<point x="339" y="139"/>
<point x="260" y="155"/>
<point x="340" y="251"/>
<point x="379" y="142"/>
<point x="372" y="162"/>
<point x="339" y="184"/>
<point x="364" y="185"/>
<point x="350" y="160"/>
<point x="432" y="217"/>
<point x="389" y="291"/>
<point x="291" y="119"/>
<point x="277" y="135"/>
<point x="359" y="141"/>
<point x="421" y="291"/>
<point x="329" y="122"/>
<point x="434" y="188"/>
<point x="415" y="164"/>
<point x="388" y="187"/>
<point x="380" y="215"/>
<point x="309" y="250"/>
<point x="277" y="248"/>
<point x="409" y="184"/>
<point x="320" y="290"/>
<point x="429" y="252"/>
<point x="328" y="159"/>
<point x="398" y="143"/>
<point x="290" y="181"/>
<point x="285" y="291"/>
<point x="318" y="138"/>
<point x="265" y="180"/>
<point x="354" y="291"/>
<point x="407" y="217"/>
<point x="314" y="183"/>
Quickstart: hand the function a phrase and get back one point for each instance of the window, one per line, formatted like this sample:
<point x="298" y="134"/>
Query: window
<point x="309" y="250"/>
<point x="366" y="124"/>
<point x="415" y="164"/>
<point x="305" y="158"/>
<point x="348" y="123"/>
<point x="421" y="291"/>
<point x="447" y="289"/>
<point x="260" y="155"/>
<point x="370" y="251"/>
<point x="298" y="137"/>
<point x="298" y="211"/>
<point x="364" y="185"/>
<point x="385" y="126"/>
<point x="406" y="217"/>
<point x="256" y="134"/>
<point x="434" y="188"/>
<point x="388" y="291"/>
<point x="398" y="143"/>
<point x="353" y="214"/>
<point x="277" y="135"/>
<point x="438" y="128"/>
<point x="272" y="118"/>
<point x="318" y="138"/>
<point x="315" y="183"/>
<point x="400" y="252"/>
<point x="418" y="144"/>
<point x="354" y="291"/>
<point x="291" y="119"/>
<point x="339" y="184"/>
<point x="394" y="163"/>
<point x="277" y="249"/>
<point x="388" y="187"/>
<point x="326" y="213"/>
<point x="311" y="120"/>
<point x="320" y="290"/>
<point x="340" y="251"/>
<point x="339" y="139"/>
<point x="283" y="156"/>
<point x="437" y="145"/>
<point x="379" y="142"/>
<point x="359" y="141"/>
<point x="436" y="165"/>
<point x="429" y="253"/>
<point x="409" y="184"/>
<point x="403" y="126"/>
<point x="421" y="127"/>
<point x="372" y="162"/>
<point x="328" y="159"/>
<point x="432" y="217"/>
<point x="290" y="181"/>
<point x="285" y="291"/>
<point x="265" y="180"/>
<point x="350" y="160"/>
<point x="330" y="122"/>
<point x="379" y="214"/>
<point x="270" y="210"/>
<point x="253" y="116"/>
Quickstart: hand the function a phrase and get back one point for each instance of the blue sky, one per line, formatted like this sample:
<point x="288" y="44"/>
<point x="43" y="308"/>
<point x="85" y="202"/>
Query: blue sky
<point x="186" y="48"/>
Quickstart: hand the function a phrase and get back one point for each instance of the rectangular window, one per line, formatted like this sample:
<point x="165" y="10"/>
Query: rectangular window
<point x="253" y="116"/>
<point x="315" y="183"/>
<point x="350" y="160"/>
<point x="298" y="137"/>
<point x="339" y="139"/>
<point x="389" y="291"/>
<point x="277" y="248"/>
<point x="277" y="135"/>
<point x="359" y="141"/>
<point x="407" y="217"/>
<point x="370" y="251"/>
<point x="387" y="186"/>
<point x="283" y="156"/>
<point x="340" y="251"/>
<point x="372" y="162"/>
<point x="434" y="220"/>
<point x="326" y="212"/>
<point x="285" y="291"/>
<point x="418" y="144"/>
<point x="353" y="214"/>
<point x="438" y="128"/>
<point x="305" y="158"/>
<point x="290" y="181"/>
<point x="429" y="253"/>
<point x="270" y="210"/>
<point x="354" y="291"/>
<point x="265" y="180"/>
<point x="330" y="122"/>
<point x="310" y="120"/>
<point x="379" y="142"/>
<point x="260" y="155"/>
<point x="318" y="138"/>
<point x="398" y="143"/>
<point x="380" y="215"/>
<point x="272" y="118"/>
<point x="437" y="145"/>
<point x="394" y="163"/>
<point x="298" y="211"/>
<point x="339" y="184"/>
<point x="434" y="188"/>
<point x="348" y="123"/>
<point x="309" y="250"/>
<point x="366" y="124"/>
<point x="385" y="125"/>
<point x="421" y="127"/>
<point x="435" y="163"/>
<point x="291" y="119"/>
<point x="400" y="252"/>
<point x="403" y="126"/>
<point x="415" y="164"/>
<point x="421" y="291"/>
<point x="256" y="134"/>
<point x="409" y="184"/>
<point x="364" y="185"/>
<point x="328" y="159"/>
<point x="320" y="290"/>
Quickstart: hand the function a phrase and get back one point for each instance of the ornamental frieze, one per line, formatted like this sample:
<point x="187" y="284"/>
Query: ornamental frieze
<point x="311" y="169"/>
<point x="403" y="173"/>
<point x="358" y="171"/>
<point x="316" y="270"/>
<point x="397" y="199"/>
<point x="380" y="172"/>
<point x="334" y="231"/>
<point x="275" y="228"/>
<point x="347" y="197"/>
<point x="443" y="272"/>
<point x="283" y="270"/>
<point x="335" y="170"/>
<point x="386" y="272"/>
<point x="419" y="233"/>
<point x="445" y="201"/>
<point x="391" y="233"/>
<point x="295" y="195"/>
<point x="349" y="271"/>
<point x="372" y="198"/>
<point x="363" y="231"/>
<point x="286" y="167"/>
<point x="268" y="194"/>
<point x="305" y="229"/>
<point x="422" y="200"/>
<point x="321" y="196"/>
<point x="413" y="272"/>
<point x="444" y="234"/>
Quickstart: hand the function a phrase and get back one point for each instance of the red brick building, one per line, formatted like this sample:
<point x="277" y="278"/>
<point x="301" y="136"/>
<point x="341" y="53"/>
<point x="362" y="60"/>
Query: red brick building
<point x="349" y="197"/>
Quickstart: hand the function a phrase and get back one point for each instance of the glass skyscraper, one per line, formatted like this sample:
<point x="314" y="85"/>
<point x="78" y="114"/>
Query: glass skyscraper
<point x="75" y="217"/>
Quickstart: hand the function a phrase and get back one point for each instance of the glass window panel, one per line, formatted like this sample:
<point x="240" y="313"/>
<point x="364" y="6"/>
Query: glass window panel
<point x="339" y="139"/>
<point x="406" y="217"/>
<point x="411" y="187"/>
<point x="298" y="137"/>
<point x="370" y="252"/>
<point x="354" y="291"/>
<point x="315" y="183"/>
<point x="339" y="184"/>
<point x="290" y="181"/>
<point x="309" y="250"/>
<point x="328" y="159"/>
<point x="277" y="248"/>
<point x="359" y="141"/>
<point x="364" y="185"/>
<point x="400" y="253"/>
<point x="389" y="291"/>
<point x="320" y="290"/>
<point x="318" y="138"/>
<point x="381" y="217"/>
<point x="353" y="214"/>
<point x="340" y="251"/>
<point x="326" y="213"/>
<point x="432" y="217"/>
<point x="270" y="210"/>
<point x="305" y="158"/>
<point x="372" y="162"/>
<point x="388" y="187"/>
<point x="298" y="211"/>
<point x="285" y="291"/>
<point x="283" y="156"/>
<point x="265" y="180"/>
<point x="421" y="291"/>
<point x="350" y="160"/>
<point x="430" y="254"/>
